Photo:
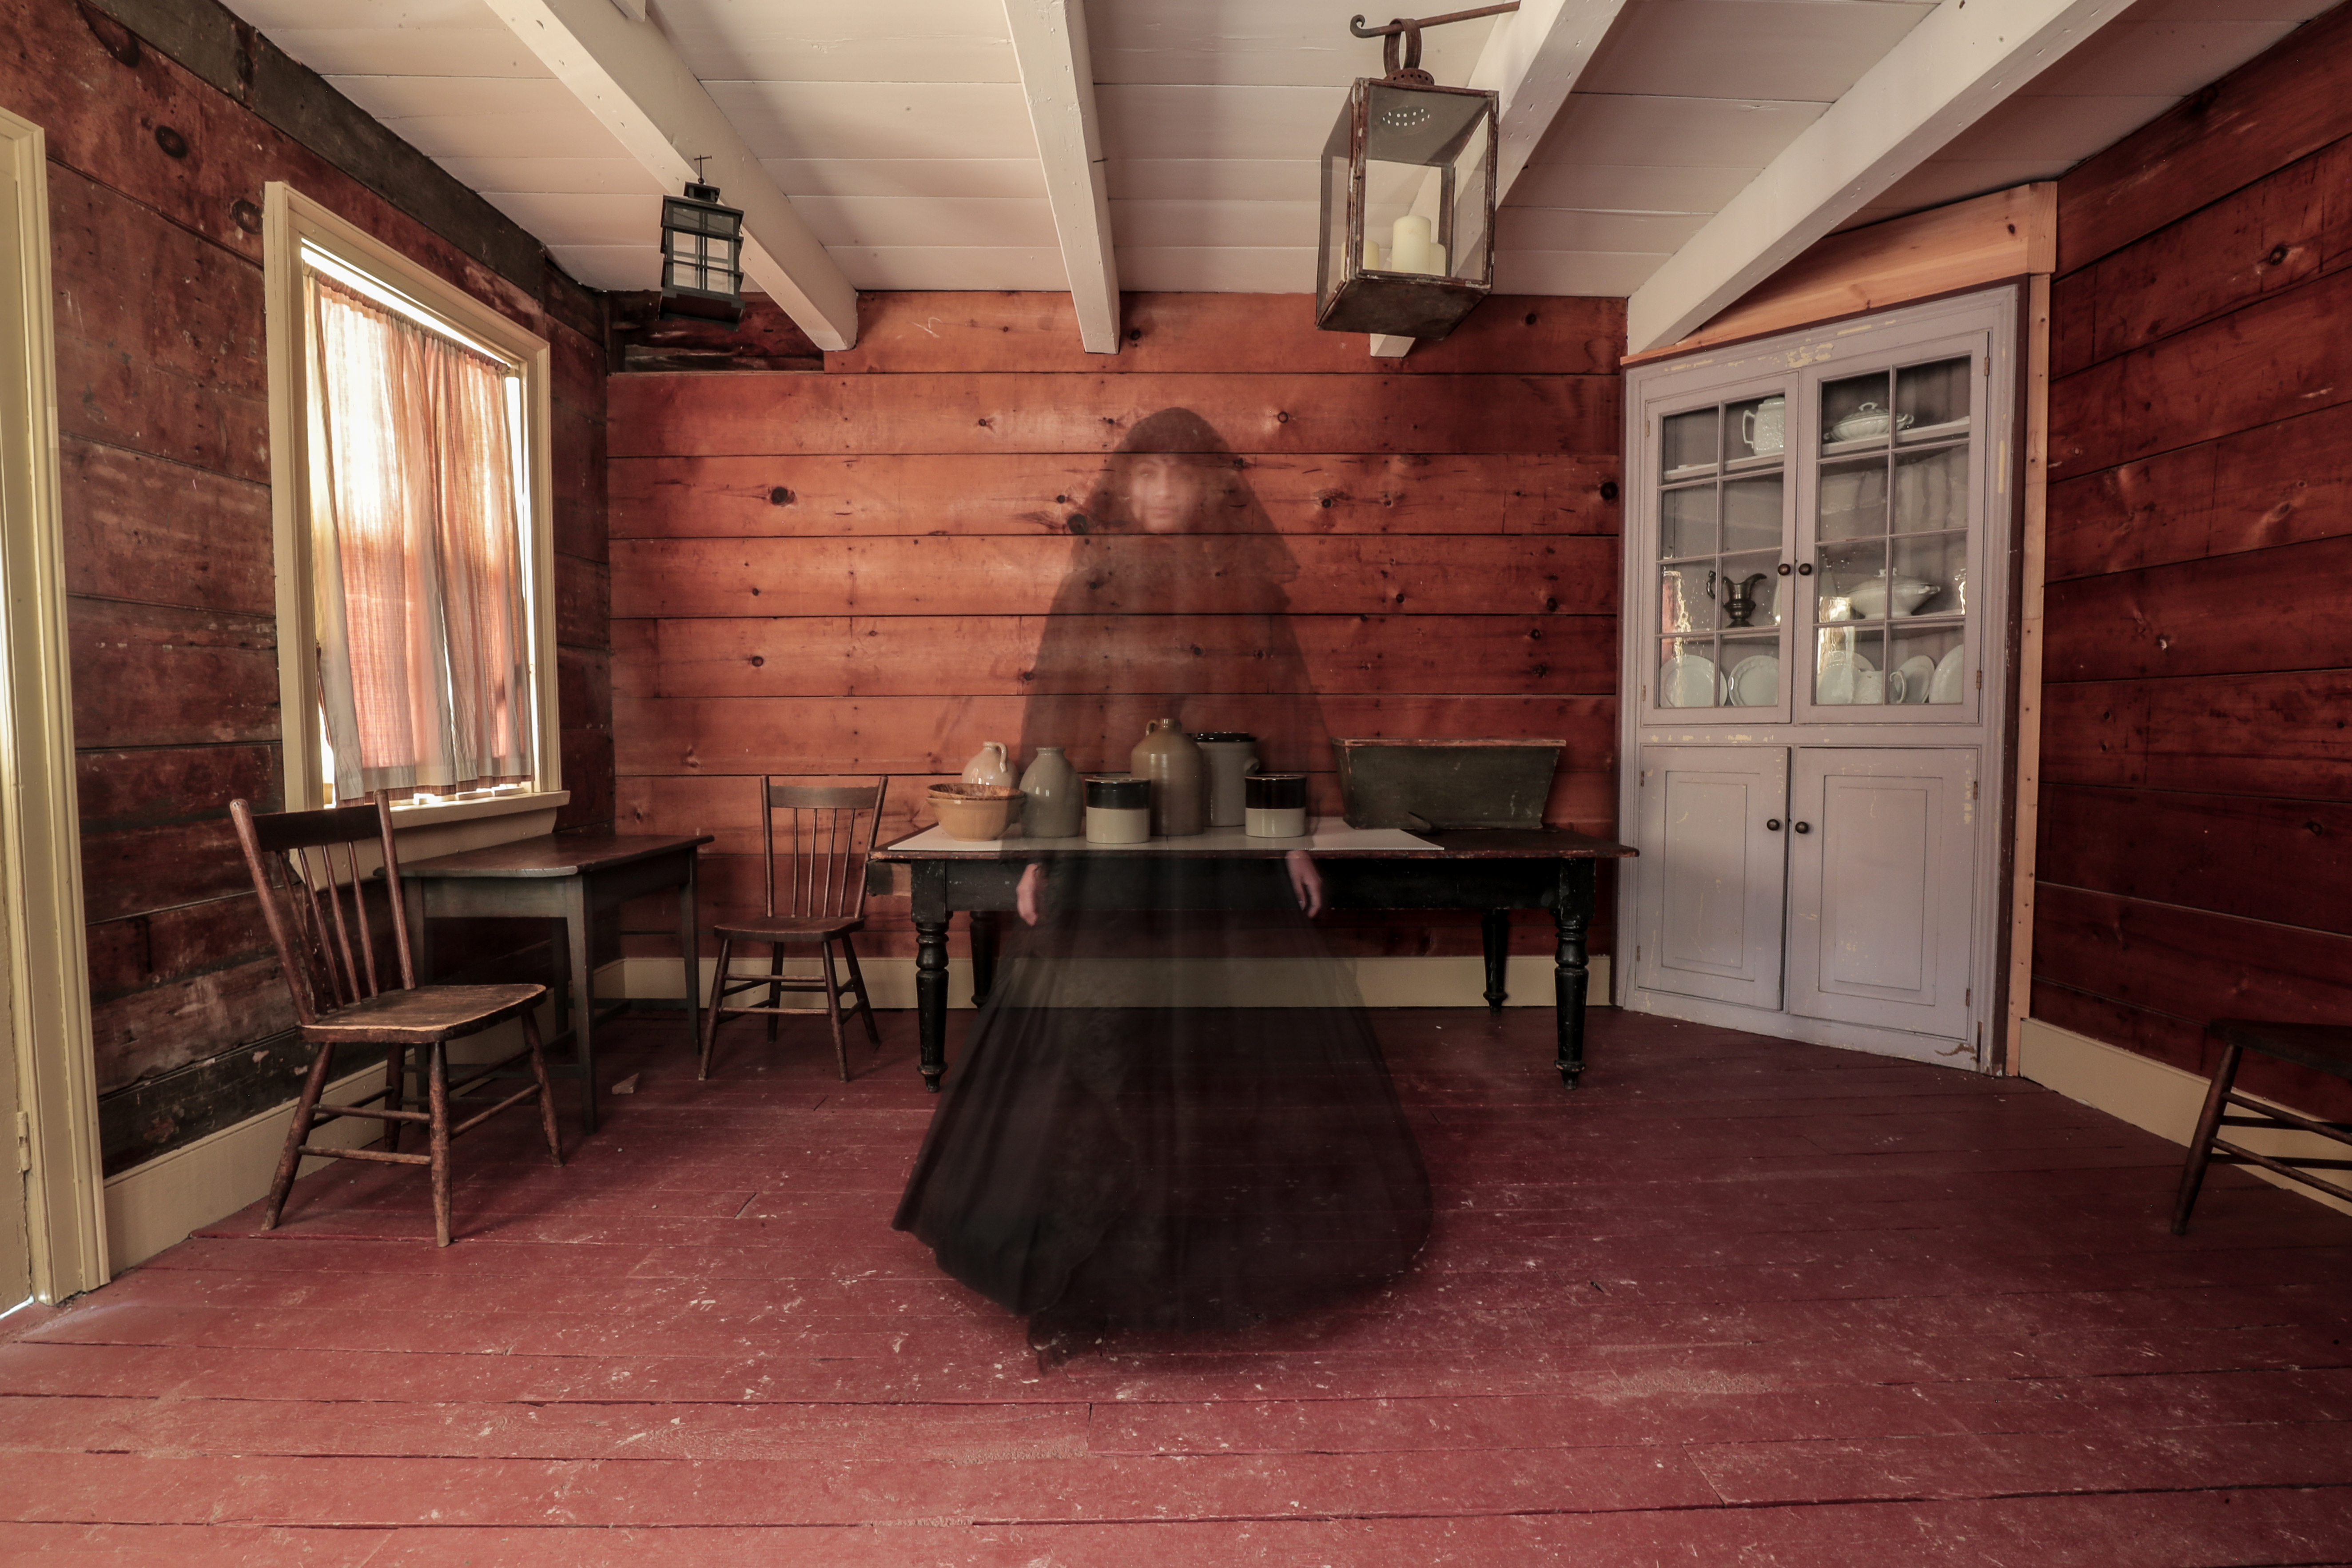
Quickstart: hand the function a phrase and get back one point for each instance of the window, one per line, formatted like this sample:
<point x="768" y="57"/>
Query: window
<point x="410" y="478"/>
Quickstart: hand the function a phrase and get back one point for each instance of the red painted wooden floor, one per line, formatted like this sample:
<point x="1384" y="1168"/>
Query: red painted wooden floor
<point x="1735" y="1301"/>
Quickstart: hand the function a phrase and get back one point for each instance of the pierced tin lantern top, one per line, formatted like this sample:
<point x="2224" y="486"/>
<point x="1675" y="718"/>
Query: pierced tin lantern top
<point x="1407" y="201"/>
<point x="702" y="258"/>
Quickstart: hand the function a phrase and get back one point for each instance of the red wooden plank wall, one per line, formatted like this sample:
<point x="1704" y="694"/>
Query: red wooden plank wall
<point x="849" y="572"/>
<point x="2196" y="838"/>
<point x="162" y="396"/>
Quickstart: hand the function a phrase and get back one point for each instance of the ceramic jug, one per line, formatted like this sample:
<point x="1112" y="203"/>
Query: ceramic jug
<point x="1052" y="807"/>
<point x="989" y="765"/>
<point x="1180" y="796"/>
<point x="1231" y="757"/>
<point x="1764" y="427"/>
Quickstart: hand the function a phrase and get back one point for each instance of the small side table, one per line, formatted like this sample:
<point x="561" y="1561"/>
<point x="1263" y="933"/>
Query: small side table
<point x="573" y="879"/>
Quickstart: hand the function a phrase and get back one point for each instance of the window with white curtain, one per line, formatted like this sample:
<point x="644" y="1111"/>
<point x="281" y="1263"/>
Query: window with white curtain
<point x="409" y="422"/>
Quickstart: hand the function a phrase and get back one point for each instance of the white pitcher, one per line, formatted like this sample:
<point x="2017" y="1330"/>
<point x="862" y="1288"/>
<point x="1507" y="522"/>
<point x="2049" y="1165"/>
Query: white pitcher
<point x="989" y="765"/>
<point x="1764" y="428"/>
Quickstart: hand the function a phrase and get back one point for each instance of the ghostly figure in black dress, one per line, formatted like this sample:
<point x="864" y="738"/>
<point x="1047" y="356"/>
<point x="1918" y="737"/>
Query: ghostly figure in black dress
<point x="1170" y="1112"/>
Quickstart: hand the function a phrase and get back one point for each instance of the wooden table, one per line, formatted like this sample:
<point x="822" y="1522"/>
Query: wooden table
<point x="1493" y="871"/>
<point x="571" y="879"/>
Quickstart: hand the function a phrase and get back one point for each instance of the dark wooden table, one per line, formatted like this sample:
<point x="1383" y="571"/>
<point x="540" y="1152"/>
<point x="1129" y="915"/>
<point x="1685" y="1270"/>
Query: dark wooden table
<point x="1493" y="871"/>
<point x="571" y="880"/>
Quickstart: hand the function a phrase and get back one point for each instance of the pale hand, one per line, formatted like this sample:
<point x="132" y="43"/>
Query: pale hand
<point x="1032" y="887"/>
<point x="1305" y="882"/>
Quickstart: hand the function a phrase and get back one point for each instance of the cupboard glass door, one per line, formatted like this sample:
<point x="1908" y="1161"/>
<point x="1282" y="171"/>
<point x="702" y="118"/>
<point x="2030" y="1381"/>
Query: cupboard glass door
<point x="1721" y="566"/>
<point x="1896" y="493"/>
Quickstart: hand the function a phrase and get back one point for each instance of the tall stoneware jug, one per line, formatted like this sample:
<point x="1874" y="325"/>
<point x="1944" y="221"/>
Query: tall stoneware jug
<point x="1052" y="804"/>
<point x="1179" y="794"/>
<point x="1230" y="757"/>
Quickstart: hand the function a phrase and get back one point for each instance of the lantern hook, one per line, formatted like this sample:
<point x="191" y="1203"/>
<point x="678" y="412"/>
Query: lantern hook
<point x="1407" y="32"/>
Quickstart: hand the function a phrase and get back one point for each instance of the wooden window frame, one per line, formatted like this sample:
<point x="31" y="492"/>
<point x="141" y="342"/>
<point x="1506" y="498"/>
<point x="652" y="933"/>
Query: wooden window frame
<point x="289" y="221"/>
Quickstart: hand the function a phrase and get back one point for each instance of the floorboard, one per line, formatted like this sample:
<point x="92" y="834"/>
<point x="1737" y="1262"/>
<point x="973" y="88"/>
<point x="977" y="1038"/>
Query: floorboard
<point x="1734" y="1299"/>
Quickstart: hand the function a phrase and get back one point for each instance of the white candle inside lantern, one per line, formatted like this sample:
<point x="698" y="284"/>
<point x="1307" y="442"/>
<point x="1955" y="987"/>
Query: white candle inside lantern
<point x="1371" y="254"/>
<point x="1409" y="245"/>
<point x="1437" y="259"/>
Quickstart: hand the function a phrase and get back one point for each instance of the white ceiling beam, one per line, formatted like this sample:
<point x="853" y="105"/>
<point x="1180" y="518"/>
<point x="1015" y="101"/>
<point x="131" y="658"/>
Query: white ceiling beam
<point x="1057" y="76"/>
<point x="1532" y="59"/>
<point x="1962" y="60"/>
<point x="633" y="80"/>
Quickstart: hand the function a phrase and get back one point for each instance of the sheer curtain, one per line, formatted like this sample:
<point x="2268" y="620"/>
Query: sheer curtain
<point x="423" y="657"/>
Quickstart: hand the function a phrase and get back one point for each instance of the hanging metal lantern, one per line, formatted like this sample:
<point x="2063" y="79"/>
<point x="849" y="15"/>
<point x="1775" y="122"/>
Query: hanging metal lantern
<point x="702" y="258"/>
<point x="1408" y="196"/>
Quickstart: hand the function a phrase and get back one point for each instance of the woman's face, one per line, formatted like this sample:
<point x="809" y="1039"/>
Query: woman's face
<point x="1166" y="491"/>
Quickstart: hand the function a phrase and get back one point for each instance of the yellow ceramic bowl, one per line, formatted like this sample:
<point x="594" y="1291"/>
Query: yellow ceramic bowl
<point x="975" y="813"/>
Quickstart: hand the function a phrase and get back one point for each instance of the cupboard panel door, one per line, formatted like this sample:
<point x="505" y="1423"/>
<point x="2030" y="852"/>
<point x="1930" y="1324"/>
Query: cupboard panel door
<point x="1880" y="870"/>
<point x="1712" y="872"/>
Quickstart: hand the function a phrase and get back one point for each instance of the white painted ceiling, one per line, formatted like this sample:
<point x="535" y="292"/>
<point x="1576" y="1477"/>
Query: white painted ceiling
<point x="899" y="130"/>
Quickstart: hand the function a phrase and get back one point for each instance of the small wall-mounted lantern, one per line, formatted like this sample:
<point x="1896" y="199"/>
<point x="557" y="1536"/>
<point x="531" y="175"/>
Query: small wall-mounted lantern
<point x="1408" y="196"/>
<point x="702" y="258"/>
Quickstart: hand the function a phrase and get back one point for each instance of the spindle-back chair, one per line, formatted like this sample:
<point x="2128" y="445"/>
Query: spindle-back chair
<point x="2322" y="1048"/>
<point x="313" y="872"/>
<point x="816" y="898"/>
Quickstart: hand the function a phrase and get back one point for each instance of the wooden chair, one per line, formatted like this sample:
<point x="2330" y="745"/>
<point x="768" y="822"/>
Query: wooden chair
<point x="312" y="870"/>
<point x="2321" y="1048"/>
<point x="828" y="833"/>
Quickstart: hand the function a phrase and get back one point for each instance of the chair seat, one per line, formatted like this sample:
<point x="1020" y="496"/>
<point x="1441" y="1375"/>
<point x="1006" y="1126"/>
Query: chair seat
<point x="790" y="928"/>
<point x="424" y="1015"/>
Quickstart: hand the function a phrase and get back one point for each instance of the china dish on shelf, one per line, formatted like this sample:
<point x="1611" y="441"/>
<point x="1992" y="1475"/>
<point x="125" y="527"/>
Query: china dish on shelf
<point x="1944" y="685"/>
<point x="1841" y="677"/>
<point x="1918" y="672"/>
<point x="1870" y="599"/>
<point x="1867" y="423"/>
<point x="1689" y="680"/>
<point x="1755" y="681"/>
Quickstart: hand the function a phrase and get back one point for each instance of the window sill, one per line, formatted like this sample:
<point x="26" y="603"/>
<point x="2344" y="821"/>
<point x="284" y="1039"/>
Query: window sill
<point x="443" y="811"/>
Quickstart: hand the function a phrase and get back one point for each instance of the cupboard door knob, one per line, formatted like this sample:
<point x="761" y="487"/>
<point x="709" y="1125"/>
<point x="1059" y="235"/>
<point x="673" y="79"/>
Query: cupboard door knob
<point x="1784" y="569"/>
<point x="1802" y="827"/>
<point x="1771" y="825"/>
<point x="1804" y="569"/>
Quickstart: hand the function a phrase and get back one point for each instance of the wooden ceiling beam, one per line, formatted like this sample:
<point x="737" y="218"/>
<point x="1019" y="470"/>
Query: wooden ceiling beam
<point x="1961" y="61"/>
<point x="632" y="78"/>
<point x="1057" y="77"/>
<point x="1532" y="59"/>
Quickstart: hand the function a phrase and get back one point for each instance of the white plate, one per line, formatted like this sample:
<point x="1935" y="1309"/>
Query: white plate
<point x="1689" y="680"/>
<point x="1834" y="683"/>
<point x="1916" y="673"/>
<point x="1945" y="685"/>
<point x="1755" y="681"/>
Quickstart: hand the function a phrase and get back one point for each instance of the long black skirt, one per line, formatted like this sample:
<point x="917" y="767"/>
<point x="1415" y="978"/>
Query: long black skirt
<point x="1169" y="1121"/>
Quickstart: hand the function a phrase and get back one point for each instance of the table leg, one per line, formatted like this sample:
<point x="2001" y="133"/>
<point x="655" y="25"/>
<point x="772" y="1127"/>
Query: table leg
<point x="1570" y="977"/>
<point x="983" y="955"/>
<point x="932" y="997"/>
<point x="583" y="995"/>
<point x="1494" y="935"/>
<point x="689" y="947"/>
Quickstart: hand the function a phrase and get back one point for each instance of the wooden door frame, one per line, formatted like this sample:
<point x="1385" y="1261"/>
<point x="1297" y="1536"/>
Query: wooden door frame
<point x="46" y="948"/>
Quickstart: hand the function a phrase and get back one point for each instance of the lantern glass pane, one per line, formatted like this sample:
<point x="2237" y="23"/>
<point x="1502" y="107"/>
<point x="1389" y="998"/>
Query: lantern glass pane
<point x="1335" y="267"/>
<point x="1469" y="247"/>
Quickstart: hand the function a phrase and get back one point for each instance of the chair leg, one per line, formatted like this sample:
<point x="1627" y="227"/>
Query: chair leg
<point x="2201" y="1147"/>
<point x="832" y="1006"/>
<point x="857" y="979"/>
<point x="711" y="1014"/>
<point x="546" y="1089"/>
<point x="395" y="1092"/>
<point x="437" y="1096"/>
<point x="297" y="1135"/>
<point x="776" y="991"/>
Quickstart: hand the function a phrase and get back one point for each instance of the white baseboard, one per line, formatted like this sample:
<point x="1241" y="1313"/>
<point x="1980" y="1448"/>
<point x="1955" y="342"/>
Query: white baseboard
<point x="2154" y="1096"/>
<point x="1458" y="982"/>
